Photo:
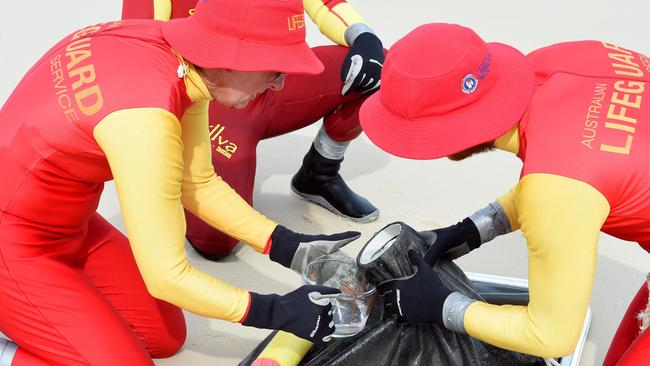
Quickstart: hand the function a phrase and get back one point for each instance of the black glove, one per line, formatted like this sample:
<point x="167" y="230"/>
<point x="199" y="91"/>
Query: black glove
<point x="294" y="250"/>
<point x="302" y="312"/>
<point x="453" y="241"/>
<point x="418" y="298"/>
<point x="361" y="69"/>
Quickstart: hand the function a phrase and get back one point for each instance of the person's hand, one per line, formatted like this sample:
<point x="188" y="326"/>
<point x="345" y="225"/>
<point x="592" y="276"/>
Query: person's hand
<point x="361" y="71"/>
<point x="451" y="242"/>
<point x="295" y="251"/>
<point x="418" y="298"/>
<point x="303" y="312"/>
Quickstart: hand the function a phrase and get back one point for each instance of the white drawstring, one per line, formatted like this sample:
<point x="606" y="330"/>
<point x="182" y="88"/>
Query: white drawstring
<point x="551" y="362"/>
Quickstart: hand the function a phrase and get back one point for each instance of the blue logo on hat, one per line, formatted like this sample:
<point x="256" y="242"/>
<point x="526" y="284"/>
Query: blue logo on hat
<point x="469" y="84"/>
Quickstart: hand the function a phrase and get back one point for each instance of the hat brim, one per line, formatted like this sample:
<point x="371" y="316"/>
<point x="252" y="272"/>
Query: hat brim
<point x="211" y="50"/>
<point x="438" y="136"/>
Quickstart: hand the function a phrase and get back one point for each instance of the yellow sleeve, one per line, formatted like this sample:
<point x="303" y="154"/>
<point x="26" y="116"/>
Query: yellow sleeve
<point x="561" y="220"/>
<point x="286" y="349"/>
<point x="145" y="153"/>
<point x="162" y="9"/>
<point x="208" y="196"/>
<point x="507" y="201"/>
<point x="333" y="17"/>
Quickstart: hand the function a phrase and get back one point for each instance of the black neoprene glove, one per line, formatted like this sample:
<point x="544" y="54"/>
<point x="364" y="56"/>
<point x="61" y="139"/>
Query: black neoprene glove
<point x="295" y="251"/>
<point x="418" y="298"/>
<point x="361" y="71"/>
<point x="301" y="312"/>
<point x="453" y="241"/>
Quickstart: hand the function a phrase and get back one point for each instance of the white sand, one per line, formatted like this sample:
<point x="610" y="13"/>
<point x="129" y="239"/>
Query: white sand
<point x="424" y="194"/>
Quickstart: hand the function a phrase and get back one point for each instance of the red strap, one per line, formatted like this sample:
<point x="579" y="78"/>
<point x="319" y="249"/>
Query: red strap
<point x="248" y="308"/>
<point x="269" y="243"/>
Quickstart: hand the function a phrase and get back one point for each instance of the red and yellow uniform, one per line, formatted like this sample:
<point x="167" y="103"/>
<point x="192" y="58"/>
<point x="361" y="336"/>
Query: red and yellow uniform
<point x="585" y="146"/>
<point x="304" y="100"/>
<point x="86" y="113"/>
<point x="332" y="17"/>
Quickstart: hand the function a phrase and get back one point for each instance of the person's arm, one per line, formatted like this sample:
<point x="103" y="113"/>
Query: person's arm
<point x="147" y="9"/>
<point x="475" y="230"/>
<point x="507" y="203"/>
<point x="361" y="68"/>
<point x="145" y="152"/>
<point x="561" y="220"/>
<point x="207" y="195"/>
<point x="334" y="17"/>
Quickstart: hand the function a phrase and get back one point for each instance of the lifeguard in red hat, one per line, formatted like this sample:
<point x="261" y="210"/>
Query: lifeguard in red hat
<point x="128" y="101"/>
<point x="352" y="72"/>
<point x="577" y="114"/>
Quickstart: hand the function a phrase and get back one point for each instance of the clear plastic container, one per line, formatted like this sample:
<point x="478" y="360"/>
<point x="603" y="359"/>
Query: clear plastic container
<point x="351" y="307"/>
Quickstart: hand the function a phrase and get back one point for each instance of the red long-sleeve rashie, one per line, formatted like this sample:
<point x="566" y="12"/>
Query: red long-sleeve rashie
<point x="107" y="103"/>
<point x="585" y="146"/>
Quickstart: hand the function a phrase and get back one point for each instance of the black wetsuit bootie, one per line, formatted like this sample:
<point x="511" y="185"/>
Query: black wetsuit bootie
<point x="213" y="257"/>
<point x="319" y="181"/>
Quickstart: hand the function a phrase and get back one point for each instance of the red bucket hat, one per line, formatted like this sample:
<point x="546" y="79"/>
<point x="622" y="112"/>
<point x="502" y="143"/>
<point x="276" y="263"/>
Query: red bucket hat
<point x="444" y="90"/>
<point x="245" y="35"/>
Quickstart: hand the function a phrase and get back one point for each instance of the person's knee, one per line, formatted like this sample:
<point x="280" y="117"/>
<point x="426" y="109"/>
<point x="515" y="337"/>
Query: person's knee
<point x="167" y="343"/>
<point x="168" y="336"/>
